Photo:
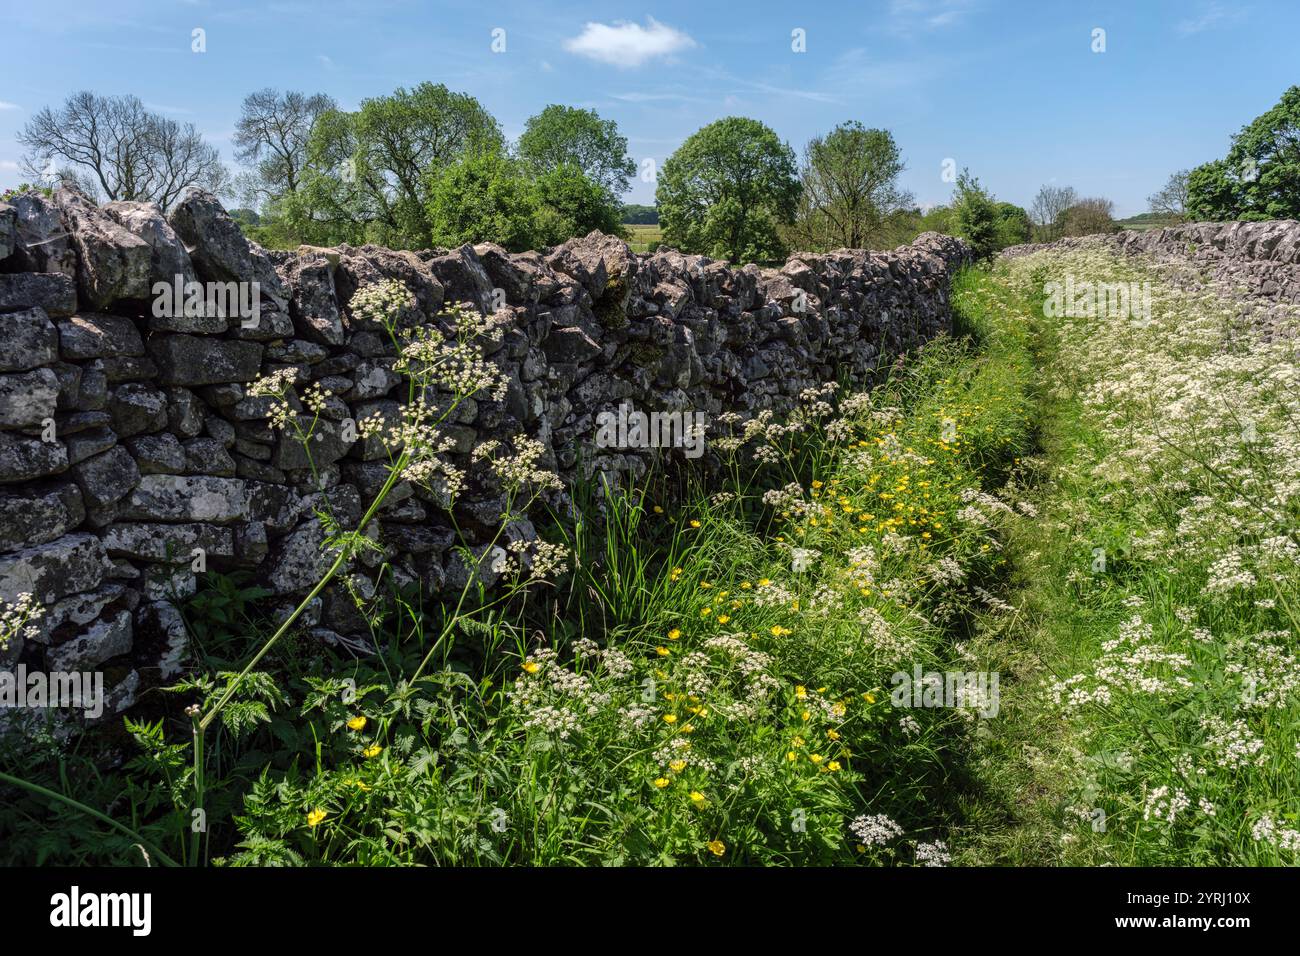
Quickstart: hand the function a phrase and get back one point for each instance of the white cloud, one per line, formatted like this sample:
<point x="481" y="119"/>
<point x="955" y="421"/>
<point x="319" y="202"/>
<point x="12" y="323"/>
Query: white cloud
<point x="909" y="15"/>
<point x="8" y="165"/>
<point x="325" y="61"/>
<point x="164" y="108"/>
<point x="625" y="44"/>
<point x="1209" y="16"/>
<point x="5" y="105"/>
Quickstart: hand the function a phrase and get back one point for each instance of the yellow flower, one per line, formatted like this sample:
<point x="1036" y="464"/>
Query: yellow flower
<point x="688" y="728"/>
<point x="662" y="651"/>
<point x="357" y="723"/>
<point x="677" y="766"/>
<point x="816" y="758"/>
<point x="816" y="484"/>
<point x="869" y="698"/>
<point x="724" y="618"/>
<point x="315" y="817"/>
<point x="675" y="574"/>
<point x="532" y="667"/>
<point x="717" y="847"/>
<point x="670" y="718"/>
<point x="833" y="734"/>
<point x="705" y="612"/>
<point x="658" y="510"/>
<point x="674" y="634"/>
<point x="805" y="715"/>
<point x="764" y="582"/>
<point x="662" y="782"/>
<point x="791" y="756"/>
<point x="373" y="750"/>
<point x="800" y="691"/>
<point x="779" y="631"/>
<point x="694" y="523"/>
<point x="745" y="585"/>
<point x="698" y="798"/>
<point x="833" y="766"/>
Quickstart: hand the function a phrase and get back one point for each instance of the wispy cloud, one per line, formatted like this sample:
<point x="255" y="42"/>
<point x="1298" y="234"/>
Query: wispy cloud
<point x="1210" y="15"/>
<point x="909" y="16"/>
<point x="8" y="165"/>
<point x="326" y="61"/>
<point x="625" y="44"/>
<point x="164" y="108"/>
<point x="6" y="105"/>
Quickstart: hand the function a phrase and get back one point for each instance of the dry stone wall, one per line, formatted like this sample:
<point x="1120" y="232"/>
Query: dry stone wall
<point x="1259" y="259"/>
<point x="129" y="440"/>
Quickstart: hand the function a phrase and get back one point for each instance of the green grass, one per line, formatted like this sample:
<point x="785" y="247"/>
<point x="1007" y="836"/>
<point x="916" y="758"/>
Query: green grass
<point x="643" y="236"/>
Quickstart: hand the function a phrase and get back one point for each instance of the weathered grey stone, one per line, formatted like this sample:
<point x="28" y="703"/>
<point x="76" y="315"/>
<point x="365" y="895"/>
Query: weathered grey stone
<point x="186" y="498"/>
<point x="56" y="294"/>
<point x="161" y="623"/>
<point x="64" y="618"/>
<point x="112" y="263"/>
<point x="167" y="256"/>
<point x="137" y="408"/>
<point x="23" y="458"/>
<point x="68" y="565"/>
<point x="372" y="380"/>
<point x="107" y="477"/>
<point x="92" y="335"/>
<point x="299" y="562"/>
<point x="42" y="242"/>
<point x="326" y="446"/>
<point x="38" y="514"/>
<point x="191" y="361"/>
<point x="92" y="390"/>
<point x="168" y="583"/>
<point x="103" y="640"/>
<point x="218" y="249"/>
<point x="207" y="456"/>
<point x="184" y="412"/>
<point x="168" y="543"/>
<point x="159" y="454"/>
<point x="28" y="340"/>
<point x="85" y="444"/>
<point x="314" y="306"/>
<point x="8" y="229"/>
<point x="28" y="398"/>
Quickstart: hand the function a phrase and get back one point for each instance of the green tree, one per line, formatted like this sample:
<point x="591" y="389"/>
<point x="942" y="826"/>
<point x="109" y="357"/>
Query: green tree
<point x="1214" y="193"/>
<point x="1260" y="177"/>
<point x="485" y="197"/>
<point x="370" y="172"/>
<point x="1013" y="224"/>
<point x="566" y="136"/>
<point x="850" y="192"/>
<point x="567" y="203"/>
<point x="974" y="216"/>
<point x="1088" y="217"/>
<point x="727" y="190"/>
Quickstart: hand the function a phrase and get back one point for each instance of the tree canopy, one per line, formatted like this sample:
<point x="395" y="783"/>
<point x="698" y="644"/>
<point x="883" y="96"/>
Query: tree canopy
<point x="726" y="191"/>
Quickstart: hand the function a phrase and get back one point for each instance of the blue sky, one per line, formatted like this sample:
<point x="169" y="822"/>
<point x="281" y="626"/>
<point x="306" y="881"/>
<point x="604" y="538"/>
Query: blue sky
<point x="1010" y="89"/>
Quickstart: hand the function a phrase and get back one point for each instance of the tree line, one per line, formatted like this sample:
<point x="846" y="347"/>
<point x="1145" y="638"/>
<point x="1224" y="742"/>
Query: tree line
<point x="429" y="166"/>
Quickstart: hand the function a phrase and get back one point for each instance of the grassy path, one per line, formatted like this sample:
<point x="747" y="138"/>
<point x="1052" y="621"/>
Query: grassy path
<point x="1150" y="678"/>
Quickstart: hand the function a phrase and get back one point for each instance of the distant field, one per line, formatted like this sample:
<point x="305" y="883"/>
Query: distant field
<point x="643" y="236"/>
